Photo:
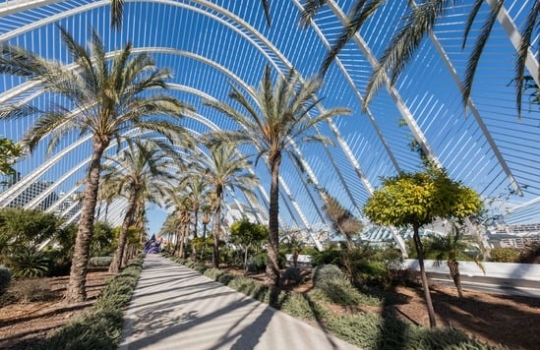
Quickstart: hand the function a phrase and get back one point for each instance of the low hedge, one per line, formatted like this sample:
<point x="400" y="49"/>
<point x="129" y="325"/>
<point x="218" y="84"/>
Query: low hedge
<point x="365" y="330"/>
<point x="101" y="327"/>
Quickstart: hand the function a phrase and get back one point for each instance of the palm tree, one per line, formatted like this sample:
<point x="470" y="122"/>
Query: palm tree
<point x="179" y="198"/>
<point x="450" y="248"/>
<point x="109" y="99"/>
<point x="197" y="188"/>
<point x="420" y="21"/>
<point x="117" y="12"/>
<point x="224" y="169"/>
<point x="139" y="174"/>
<point x="280" y="113"/>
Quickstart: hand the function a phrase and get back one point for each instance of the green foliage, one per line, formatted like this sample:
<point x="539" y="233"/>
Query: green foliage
<point x="292" y="274"/>
<point x="5" y="279"/>
<point x="326" y="257"/>
<point x="371" y="331"/>
<point x="324" y="273"/>
<point x="246" y="234"/>
<point x="101" y="327"/>
<point x="505" y="255"/>
<point x="342" y="292"/>
<point x="104" y="239"/>
<point x="28" y="264"/>
<point x="9" y="152"/>
<point x="23" y="228"/>
<point x="419" y="198"/>
<point x="258" y="262"/>
<point x="100" y="261"/>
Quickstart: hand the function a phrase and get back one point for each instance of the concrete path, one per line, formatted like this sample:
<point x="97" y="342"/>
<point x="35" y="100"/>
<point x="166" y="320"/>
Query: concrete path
<point x="177" y="308"/>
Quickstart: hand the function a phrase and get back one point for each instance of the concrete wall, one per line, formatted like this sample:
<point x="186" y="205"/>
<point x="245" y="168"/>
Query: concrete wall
<point x="529" y="272"/>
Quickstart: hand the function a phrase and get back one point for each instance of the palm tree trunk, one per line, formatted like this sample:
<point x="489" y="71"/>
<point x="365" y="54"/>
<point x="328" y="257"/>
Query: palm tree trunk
<point x="217" y="227"/>
<point x="193" y="247"/>
<point x="76" y="289"/>
<point x="453" y="266"/>
<point x="116" y="264"/>
<point x="425" y="284"/>
<point x="272" y="266"/>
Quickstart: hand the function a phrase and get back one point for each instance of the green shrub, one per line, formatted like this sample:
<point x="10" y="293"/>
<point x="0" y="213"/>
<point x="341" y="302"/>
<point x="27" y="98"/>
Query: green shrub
<point x="326" y="257"/>
<point x="292" y="274"/>
<point x="300" y="306"/>
<point x="373" y="273"/>
<point x="508" y="255"/>
<point x="101" y="327"/>
<point x="370" y="331"/>
<point x="342" y="292"/>
<point x="5" y="279"/>
<point x="28" y="264"/>
<point x="326" y="273"/>
<point x="258" y="262"/>
<point x="100" y="261"/>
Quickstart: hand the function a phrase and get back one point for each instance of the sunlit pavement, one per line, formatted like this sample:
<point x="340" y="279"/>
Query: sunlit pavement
<point x="174" y="307"/>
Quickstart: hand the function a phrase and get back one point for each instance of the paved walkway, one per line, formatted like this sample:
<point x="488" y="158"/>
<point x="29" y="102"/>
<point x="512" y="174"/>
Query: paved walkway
<point x="174" y="307"/>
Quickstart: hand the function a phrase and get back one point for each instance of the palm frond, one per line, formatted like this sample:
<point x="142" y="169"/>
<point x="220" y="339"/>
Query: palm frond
<point x="402" y="47"/>
<point x="117" y="14"/>
<point x="531" y="24"/>
<point x="360" y="13"/>
<point x="481" y="41"/>
<point x="311" y="7"/>
<point x="266" y="9"/>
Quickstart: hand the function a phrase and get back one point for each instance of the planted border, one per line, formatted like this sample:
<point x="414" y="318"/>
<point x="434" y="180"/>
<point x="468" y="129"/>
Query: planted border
<point x="365" y="330"/>
<point x="101" y="327"/>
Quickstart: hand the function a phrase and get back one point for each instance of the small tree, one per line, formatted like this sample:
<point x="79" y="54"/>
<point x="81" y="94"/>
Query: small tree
<point x="451" y="247"/>
<point x="247" y="234"/>
<point x="416" y="199"/>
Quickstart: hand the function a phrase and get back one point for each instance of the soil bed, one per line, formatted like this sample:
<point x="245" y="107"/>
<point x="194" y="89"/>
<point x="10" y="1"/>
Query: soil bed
<point x="494" y="318"/>
<point x="27" y="322"/>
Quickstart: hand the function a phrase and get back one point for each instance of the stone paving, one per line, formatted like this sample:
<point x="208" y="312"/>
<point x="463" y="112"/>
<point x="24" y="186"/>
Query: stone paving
<point x="174" y="307"/>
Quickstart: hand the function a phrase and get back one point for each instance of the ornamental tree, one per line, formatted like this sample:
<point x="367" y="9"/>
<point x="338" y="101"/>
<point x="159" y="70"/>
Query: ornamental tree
<point x="247" y="234"/>
<point x="417" y="199"/>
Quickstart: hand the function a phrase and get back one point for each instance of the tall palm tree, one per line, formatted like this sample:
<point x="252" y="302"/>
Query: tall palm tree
<point x="280" y="113"/>
<point x="197" y="187"/>
<point x="109" y="99"/>
<point x="224" y="169"/>
<point x="139" y="173"/>
<point x="420" y="21"/>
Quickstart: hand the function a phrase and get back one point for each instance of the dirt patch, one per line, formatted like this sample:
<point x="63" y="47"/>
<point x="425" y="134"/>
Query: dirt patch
<point x="41" y="310"/>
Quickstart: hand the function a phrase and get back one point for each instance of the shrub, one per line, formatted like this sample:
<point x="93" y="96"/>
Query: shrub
<point x="373" y="273"/>
<point x="28" y="291"/>
<point x="342" y="292"/>
<point x="28" y="264"/>
<point x="100" y="261"/>
<point x="326" y="257"/>
<point x="509" y="255"/>
<point x="101" y="327"/>
<point x="370" y="331"/>
<point x="298" y="305"/>
<point x="292" y="274"/>
<point x="258" y="262"/>
<point x="326" y="273"/>
<point x="5" y="279"/>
